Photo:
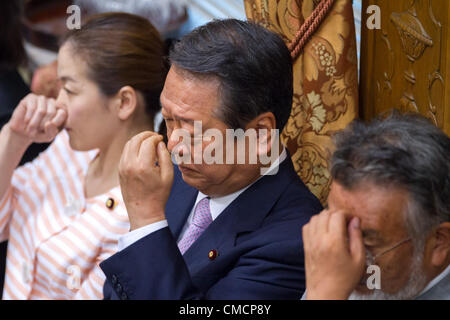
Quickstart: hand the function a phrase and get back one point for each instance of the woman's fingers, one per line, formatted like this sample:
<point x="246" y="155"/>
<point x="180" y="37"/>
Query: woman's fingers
<point x="37" y="118"/>
<point x="50" y="114"/>
<point x="17" y="122"/>
<point x="39" y="113"/>
<point x="30" y="103"/>
<point x="60" y="118"/>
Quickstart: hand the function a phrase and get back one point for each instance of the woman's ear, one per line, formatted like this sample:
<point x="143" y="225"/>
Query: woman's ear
<point x="127" y="102"/>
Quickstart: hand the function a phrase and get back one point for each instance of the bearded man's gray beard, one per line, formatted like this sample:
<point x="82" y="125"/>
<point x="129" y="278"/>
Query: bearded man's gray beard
<point x="416" y="283"/>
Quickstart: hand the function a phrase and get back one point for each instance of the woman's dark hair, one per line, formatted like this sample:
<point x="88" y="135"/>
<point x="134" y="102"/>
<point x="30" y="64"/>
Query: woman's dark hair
<point x="12" y="53"/>
<point x="253" y="65"/>
<point x="122" y="49"/>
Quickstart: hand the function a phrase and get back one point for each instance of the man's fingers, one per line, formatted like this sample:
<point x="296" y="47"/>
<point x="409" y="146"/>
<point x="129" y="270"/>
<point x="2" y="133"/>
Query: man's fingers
<point x="147" y="151"/>
<point x="313" y="223"/>
<point x="305" y="237"/>
<point x="136" y="141"/>
<point x="165" y="163"/>
<point x="322" y="222"/>
<point x="124" y="157"/>
<point x="356" y="244"/>
<point x="338" y="224"/>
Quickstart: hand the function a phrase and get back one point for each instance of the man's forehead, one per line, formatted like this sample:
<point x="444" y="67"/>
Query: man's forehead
<point x="182" y="109"/>
<point x="374" y="205"/>
<point x="184" y="95"/>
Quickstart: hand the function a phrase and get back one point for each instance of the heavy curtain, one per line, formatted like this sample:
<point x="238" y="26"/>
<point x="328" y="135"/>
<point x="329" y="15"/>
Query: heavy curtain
<point x="325" y="82"/>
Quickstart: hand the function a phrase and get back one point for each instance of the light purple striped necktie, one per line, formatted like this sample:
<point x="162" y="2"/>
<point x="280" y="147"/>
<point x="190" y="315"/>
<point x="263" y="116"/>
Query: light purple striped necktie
<point x="202" y="219"/>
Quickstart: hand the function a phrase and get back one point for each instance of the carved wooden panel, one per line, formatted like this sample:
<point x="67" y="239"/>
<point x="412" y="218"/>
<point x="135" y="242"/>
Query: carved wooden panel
<point x="404" y="64"/>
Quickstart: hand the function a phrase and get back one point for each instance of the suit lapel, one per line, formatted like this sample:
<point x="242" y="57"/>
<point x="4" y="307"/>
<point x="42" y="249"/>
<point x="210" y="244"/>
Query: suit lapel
<point x="179" y="205"/>
<point x="244" y="214"/>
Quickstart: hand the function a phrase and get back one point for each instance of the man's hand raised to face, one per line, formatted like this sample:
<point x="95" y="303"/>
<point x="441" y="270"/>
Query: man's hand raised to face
<point x="146" y="177"/>
<point x="334" y="255"/>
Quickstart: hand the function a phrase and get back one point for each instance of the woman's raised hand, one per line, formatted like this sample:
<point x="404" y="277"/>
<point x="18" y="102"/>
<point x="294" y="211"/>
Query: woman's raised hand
<point x="37" y="119"/>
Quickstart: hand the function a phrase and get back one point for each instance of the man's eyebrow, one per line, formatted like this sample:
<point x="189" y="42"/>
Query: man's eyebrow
<point x="184" y="119"/>
<point x="177" y="118"/>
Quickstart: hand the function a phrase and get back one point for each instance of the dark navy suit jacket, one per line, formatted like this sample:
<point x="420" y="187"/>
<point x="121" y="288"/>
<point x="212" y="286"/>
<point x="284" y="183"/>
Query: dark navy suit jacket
<point x="257" y="239"/>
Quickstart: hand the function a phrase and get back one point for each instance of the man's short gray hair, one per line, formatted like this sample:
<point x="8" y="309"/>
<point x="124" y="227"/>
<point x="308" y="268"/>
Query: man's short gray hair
<point x="405" y="151"/>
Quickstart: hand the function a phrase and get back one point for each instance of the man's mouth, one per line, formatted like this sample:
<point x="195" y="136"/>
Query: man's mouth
<point x="185" y="169"/>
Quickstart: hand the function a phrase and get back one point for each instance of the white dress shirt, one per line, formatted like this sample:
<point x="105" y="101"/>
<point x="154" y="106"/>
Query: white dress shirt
<point x="217" y="206"/>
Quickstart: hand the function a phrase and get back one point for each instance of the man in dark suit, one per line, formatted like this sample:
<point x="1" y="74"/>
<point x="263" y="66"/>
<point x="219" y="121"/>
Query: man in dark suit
<point x="219" y="225"/>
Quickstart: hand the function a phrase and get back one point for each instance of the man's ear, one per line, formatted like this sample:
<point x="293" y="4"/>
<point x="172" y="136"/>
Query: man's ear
<point x="263" y="125"/>
<point x="126" y="105"/>
<point x="440" y="251"/>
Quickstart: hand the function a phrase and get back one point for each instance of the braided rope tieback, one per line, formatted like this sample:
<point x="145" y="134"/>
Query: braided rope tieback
<point x="309" y="27"/>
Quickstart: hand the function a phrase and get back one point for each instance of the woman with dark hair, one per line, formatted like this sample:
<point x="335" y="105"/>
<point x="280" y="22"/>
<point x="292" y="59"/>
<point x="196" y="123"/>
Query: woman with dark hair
<point x="63" y="213"/>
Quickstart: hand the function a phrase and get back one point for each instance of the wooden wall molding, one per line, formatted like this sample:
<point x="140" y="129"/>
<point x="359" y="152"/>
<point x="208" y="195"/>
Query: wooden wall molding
<point x="404" y="64"/>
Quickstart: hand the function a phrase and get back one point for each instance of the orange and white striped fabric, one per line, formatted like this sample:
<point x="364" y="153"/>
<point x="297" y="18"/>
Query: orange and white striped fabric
<point x="57" y="237"/>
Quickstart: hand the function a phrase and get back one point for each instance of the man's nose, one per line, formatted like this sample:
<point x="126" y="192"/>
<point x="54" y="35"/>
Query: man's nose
<point x="173" y="136"/>
<point x="177" y="145"/>
<point x="171" y="142"/>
